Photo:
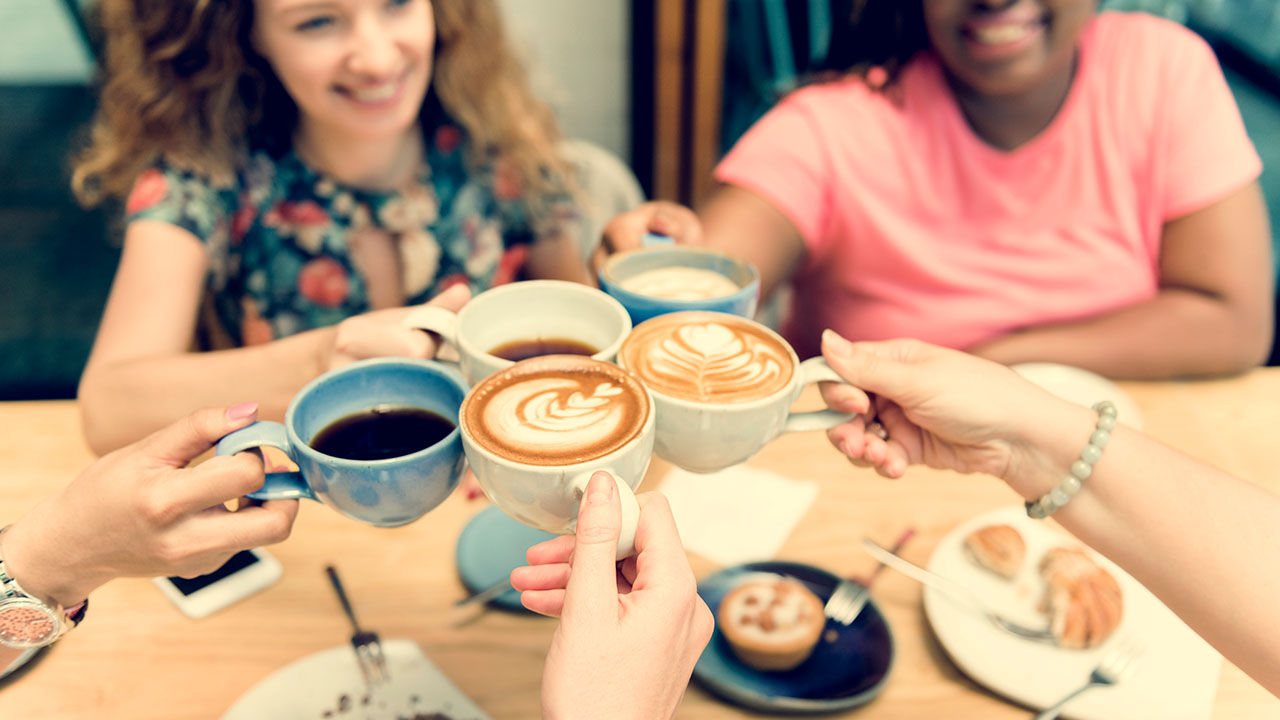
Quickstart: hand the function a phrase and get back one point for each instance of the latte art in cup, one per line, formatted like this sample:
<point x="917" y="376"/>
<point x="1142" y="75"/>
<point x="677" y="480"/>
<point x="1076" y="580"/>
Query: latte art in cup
<point x="681" y="283"/>
<point x="556" y="410"/>
<point x="708" y="357"/>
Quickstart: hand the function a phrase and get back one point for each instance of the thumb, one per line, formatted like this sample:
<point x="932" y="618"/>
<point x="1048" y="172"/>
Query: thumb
<point x="883" y="368"/>
<point x="453" y="298"/>
<point x="593" y="588"/>
<point x="185" y="440"/>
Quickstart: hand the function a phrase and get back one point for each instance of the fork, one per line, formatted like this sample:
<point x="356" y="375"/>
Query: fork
<point x="1119" y="661"/>
<point x="369" y="655"/>
<point x="957" y="592"/>
<point x="850" y="597"/>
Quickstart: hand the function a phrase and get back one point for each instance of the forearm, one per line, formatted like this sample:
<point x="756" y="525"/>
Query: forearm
<point x="1177" y="333"/>
<point x="123" y="400"/>
<point x="1204" y="542"/>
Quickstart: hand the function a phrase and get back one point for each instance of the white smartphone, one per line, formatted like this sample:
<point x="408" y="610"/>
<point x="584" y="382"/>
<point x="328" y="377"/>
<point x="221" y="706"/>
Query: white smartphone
<point x="247" y="572"/>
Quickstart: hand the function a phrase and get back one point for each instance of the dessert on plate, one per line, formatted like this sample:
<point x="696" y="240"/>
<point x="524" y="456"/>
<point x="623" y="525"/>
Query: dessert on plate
<point x="1083" y="600"/>
<point x="998" y="548"/>
<point x="771" y="622"/>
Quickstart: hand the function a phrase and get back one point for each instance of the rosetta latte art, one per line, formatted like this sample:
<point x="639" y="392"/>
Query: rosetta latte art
<point x="559" y="417"/>
<point x="711" y="360"/>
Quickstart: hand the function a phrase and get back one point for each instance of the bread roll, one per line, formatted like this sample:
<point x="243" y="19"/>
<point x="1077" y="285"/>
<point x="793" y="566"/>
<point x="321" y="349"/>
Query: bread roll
<point x="998" y="548"/>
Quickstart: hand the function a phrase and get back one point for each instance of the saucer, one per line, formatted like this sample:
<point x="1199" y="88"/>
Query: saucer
<point x="490" y="547"/>
<point x="1083" y="388"/>
<point x="843" y="672"/>
<point x="328" y="684"/>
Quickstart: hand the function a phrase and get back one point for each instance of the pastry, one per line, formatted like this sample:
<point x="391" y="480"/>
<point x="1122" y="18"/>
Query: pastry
<point x="1083" y="600"/>
<point x="998" y="548"/>
<point x="771" y="622"/>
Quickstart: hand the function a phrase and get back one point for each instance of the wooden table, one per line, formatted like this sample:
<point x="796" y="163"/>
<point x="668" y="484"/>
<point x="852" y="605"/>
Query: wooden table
<point x="136" y="657"/>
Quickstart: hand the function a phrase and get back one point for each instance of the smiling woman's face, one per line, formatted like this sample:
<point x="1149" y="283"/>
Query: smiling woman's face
<point x="1005" y="47"/>
<point x="360" y="67"/>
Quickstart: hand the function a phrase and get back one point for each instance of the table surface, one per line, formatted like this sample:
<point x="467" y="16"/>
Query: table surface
<point x="137" y="657"/>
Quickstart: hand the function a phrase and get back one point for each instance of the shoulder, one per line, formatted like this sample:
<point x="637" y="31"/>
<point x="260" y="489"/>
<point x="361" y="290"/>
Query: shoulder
<point x="1141" y="44"/>
<point x="181" y="194"/>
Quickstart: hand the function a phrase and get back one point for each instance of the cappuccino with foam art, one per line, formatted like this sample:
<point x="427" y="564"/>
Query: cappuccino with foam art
<point x="556" y="410"/>
<point x="722" y="386"/>
<point x="708" y="357"/>
<point x="535" y="432"/>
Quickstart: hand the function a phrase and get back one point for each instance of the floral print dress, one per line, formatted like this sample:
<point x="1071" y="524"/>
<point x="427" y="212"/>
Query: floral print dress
<point x="277" y="235"/>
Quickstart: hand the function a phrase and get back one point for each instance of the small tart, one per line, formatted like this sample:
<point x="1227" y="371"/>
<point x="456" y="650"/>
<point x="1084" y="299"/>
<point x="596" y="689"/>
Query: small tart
<point x="771" y="622"/>
<point x="998" y="548"/>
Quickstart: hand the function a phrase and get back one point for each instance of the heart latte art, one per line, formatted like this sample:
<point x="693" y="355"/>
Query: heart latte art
<point x="708" y="357"/>
<point x="556" y="410"/>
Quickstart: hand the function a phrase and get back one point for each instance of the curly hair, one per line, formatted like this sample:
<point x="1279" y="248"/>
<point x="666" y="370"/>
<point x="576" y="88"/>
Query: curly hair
<point x="175" y="88"/>
<point x="879" y="34"/>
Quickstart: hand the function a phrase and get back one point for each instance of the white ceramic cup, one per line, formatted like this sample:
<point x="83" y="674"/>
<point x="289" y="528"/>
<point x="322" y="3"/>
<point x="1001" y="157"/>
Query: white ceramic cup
<point x="547" y="497"/>
<point x="525" y="311"/>
<point x="703" y="436"/>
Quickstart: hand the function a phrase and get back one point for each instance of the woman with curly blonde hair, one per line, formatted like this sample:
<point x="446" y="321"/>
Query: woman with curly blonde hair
<point x="295" y="173"/>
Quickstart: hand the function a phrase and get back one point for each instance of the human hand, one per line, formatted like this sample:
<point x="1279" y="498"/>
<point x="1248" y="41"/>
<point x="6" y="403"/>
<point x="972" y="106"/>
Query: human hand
<point x="380" y="334"/>
<point x="627" y="231"/>
<point x="141" y="512"/>
<point x="629" y="632"/>
<point x="942" y="408"/>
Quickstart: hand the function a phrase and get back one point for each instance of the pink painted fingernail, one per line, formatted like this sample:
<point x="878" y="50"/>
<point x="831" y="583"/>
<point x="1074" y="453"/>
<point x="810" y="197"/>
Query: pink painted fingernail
<point x="474" y="493"/>
<point x="242" y="411"/>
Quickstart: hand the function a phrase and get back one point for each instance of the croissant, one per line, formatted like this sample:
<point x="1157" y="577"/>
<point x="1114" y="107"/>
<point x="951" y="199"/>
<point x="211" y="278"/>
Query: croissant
<point x="1083" y="600"/>
<point x="998" y="548"/>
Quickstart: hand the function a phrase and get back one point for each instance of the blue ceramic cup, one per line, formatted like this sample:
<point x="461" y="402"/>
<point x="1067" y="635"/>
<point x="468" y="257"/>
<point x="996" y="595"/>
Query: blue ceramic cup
<point x="386" y="492"/>
<point x="661" y="277"/>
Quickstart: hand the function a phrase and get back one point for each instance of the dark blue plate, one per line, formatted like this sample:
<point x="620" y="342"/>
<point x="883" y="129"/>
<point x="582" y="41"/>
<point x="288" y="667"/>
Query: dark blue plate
<point x="849" y="666"/>
<point x="490" y="547"/>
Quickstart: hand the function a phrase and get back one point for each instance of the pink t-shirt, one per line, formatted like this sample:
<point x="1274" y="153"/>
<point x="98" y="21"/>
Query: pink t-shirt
<point x="915" y="227"/>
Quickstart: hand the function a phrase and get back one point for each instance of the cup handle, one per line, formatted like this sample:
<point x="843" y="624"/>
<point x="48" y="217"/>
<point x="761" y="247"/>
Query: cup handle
<point x="630" y="511"/>
<point x="815" y="370"/>
<point x="435" y="319"/>
<point x="277" y="485"/>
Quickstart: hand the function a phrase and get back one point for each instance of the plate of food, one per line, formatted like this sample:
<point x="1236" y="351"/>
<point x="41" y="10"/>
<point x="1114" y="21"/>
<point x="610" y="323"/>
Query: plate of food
<point x="1083" y="388"/>
<point x="774" y="651"/>
<point x="328" y="684"/>
<point x="1037" y="575"/>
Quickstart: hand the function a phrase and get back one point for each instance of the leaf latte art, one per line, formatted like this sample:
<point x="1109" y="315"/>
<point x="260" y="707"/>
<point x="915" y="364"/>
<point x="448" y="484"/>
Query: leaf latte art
<point x="708" y="357"/>
<point x="555" y="417"/>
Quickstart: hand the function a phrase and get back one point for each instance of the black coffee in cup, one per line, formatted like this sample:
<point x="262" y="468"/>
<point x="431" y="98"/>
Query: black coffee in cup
<point x="382" y="432"/>
<point x="518" y="350"/>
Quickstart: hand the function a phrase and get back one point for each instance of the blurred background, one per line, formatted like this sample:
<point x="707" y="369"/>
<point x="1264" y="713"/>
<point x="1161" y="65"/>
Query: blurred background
<point x="665" y="85"/>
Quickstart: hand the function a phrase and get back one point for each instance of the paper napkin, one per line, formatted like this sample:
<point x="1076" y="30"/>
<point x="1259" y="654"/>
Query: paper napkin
<point x="736" y="515"/>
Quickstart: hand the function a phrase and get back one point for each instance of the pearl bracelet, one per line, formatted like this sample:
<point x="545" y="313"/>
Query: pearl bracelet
<point x="1081" y="469"/>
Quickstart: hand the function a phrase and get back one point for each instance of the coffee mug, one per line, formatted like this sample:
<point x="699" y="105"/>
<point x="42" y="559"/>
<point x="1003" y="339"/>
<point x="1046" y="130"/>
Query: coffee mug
<point x="722" y="387"/>
<point x="534" y="432"/>
<point x="382" y="480"/>
<point x="534" y="317"/>
<point x="662" y="278"/>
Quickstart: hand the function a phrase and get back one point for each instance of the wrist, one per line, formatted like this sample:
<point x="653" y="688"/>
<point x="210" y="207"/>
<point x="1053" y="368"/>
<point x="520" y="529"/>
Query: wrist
<point x="1046" y="448"/>
<point x="43" y="570"/>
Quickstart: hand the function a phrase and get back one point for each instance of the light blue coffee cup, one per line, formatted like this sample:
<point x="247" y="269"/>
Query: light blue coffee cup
<point x="659" y="253"/>
<point x="387" y="492"/>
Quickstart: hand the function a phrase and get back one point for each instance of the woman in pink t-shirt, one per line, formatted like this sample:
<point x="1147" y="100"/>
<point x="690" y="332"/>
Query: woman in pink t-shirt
<point x="1024" y="179"/>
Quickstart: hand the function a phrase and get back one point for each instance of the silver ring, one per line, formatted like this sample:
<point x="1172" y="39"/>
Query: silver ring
<point x="875" y="428"/>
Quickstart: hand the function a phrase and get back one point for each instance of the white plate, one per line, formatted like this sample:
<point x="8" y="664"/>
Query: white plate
<point x="1082" y="387"/>
<point x="1175" y="679"/>
<point x="308" y="688"/>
